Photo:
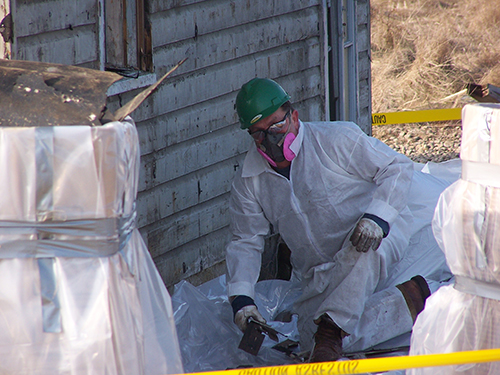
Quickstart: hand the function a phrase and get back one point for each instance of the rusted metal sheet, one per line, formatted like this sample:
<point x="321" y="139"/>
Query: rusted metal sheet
<point x="40" y="94"/>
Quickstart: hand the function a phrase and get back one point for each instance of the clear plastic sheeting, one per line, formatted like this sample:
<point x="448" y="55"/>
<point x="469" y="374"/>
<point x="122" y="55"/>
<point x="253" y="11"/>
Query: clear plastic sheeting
<point x="449" y="170"/>
<point x="466" y="316"/>
<point x="208" y="337"/>
<point x="79" y="292"/>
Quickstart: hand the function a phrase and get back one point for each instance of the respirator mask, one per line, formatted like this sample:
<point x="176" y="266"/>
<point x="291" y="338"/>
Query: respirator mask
<point x="273" y="144"/>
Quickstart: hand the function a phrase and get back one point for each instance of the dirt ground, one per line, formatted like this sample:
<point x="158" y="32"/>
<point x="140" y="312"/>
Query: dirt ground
<point x="435" y="142"/>
<point x="424" y="53"/>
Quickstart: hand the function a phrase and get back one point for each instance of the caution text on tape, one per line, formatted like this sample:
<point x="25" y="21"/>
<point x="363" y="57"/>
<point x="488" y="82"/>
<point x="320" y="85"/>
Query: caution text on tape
<point x="371" y="365"/>
<point x="407" y="117"/>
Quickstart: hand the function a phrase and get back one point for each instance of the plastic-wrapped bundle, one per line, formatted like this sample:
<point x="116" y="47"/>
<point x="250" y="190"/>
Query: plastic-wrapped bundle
<point x="79" y="293"/>
<point x="466" y="316"/>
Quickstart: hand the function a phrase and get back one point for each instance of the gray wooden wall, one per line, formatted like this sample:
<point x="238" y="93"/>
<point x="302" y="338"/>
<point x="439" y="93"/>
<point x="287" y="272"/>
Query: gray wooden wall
<point x="191" y="143"/>
<point x="59" y="31"/>
<point x="363" y="42"/>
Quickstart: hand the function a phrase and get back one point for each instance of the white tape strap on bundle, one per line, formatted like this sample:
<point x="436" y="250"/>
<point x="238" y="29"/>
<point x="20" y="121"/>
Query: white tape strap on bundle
<point x="51" y="306"/>
<point x="72" y="239"/>
<point x="48" y="239"/>
<point x="477" y="287"/>
<point x="481" y="173"/>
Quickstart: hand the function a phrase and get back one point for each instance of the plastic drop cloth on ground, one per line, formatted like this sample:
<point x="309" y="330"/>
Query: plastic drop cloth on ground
<point x="79" y="292"/>
<point x="209" y="339"/>
<point x="207" y="335"/>
<point x="466" y="316"/>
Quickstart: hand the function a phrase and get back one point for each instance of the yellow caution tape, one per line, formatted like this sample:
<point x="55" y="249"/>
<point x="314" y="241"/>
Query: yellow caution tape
<point x="407" y="117"/>
<point x="372" y="365"/>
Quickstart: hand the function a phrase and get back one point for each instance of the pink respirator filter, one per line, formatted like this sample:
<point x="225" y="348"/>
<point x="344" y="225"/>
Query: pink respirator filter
<point x="287" y="153"/>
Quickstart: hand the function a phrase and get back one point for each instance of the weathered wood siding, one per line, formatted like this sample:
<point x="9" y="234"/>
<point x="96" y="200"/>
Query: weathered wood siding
<point x="62" y="31"/>
<point x="190" y="139"/>
<point x="363" y="43"/>
<point x="191" y="143"/>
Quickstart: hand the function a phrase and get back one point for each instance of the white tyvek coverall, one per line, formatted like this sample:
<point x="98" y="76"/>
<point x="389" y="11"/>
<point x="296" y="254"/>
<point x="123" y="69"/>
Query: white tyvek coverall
<point x="338" y="175"/>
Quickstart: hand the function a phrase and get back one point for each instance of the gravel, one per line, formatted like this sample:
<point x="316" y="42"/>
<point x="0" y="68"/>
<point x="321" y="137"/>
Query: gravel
<point x="435" y="142"/>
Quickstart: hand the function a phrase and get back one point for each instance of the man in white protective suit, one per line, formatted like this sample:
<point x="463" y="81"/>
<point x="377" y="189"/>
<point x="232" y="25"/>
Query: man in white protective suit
<point x="354" y="213"/>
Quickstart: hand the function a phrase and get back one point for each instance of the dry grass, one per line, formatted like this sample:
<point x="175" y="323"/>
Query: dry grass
<point x="424" y="51"/>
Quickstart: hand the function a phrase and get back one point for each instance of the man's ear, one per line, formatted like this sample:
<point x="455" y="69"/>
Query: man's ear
<point x="295" y="115"/>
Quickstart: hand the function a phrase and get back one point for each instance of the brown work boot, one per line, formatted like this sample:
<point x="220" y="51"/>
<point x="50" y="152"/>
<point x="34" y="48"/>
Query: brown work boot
<point x="327" y="341"/>
<point x="416" y="290"/>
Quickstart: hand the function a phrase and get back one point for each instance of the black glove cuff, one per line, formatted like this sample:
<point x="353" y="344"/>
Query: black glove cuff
<point x="241" y="301"/>
<point x="381" y="223"/>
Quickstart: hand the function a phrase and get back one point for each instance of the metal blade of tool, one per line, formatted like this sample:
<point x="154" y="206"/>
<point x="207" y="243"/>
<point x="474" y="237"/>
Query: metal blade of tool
<point x="254" y="335"/>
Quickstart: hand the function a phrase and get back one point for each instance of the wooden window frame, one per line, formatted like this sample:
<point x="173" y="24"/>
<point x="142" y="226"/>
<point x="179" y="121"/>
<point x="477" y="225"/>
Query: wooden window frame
<point x="125" y="37"/>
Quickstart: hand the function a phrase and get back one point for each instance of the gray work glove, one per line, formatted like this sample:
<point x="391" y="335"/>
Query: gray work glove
<point x="367" y="233"/>
<point x="246" y="312"/>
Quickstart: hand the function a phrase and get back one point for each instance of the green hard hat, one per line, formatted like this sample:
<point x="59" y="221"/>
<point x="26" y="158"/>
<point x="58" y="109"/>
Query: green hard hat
<point x="257" y="99"/>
